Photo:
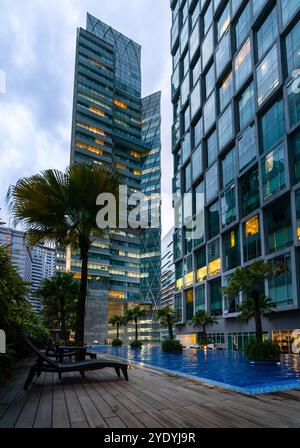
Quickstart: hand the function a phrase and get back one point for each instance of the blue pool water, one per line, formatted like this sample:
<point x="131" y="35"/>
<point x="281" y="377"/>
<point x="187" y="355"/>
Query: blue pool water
<point x="230" y="370"/>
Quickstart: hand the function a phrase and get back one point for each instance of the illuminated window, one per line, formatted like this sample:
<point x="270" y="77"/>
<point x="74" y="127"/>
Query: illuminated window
<point x="120" y="104"/>
<point x="214" y="260"/>
<point x="120" y="166"/>
<point x="214" y="267"/>
<point x="97" y="111"/>
<point x="135" y="154"/>
<point x="137" y="172"/>
<point x="90" y="128"/>
<point x="242" y="64"/>
<point x="189" y="279"/>
<point x="116" y="295"/>
<point x="189" y="300"/>
<point x="252" y="244"/>
<point x="252" y="226"/>
<point x="89" y="148"/>
<point x="201" y="274"/>
<point x="267" y="75"/>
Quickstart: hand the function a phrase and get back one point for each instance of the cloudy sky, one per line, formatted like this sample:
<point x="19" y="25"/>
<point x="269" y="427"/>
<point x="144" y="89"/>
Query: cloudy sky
<point x="37" y="41"/>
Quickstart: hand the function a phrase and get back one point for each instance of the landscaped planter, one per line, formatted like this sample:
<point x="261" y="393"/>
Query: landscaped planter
<point x="265" y="360"/>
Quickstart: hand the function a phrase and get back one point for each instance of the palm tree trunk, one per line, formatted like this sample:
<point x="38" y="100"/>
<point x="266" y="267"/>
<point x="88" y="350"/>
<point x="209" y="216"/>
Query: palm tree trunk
<point x="80" y="317"/>
<point x="204" y="335"/>
<point x="257" y="316"/>
<point x="170" y="328"/>
<point x="136" y="329"/>
<point x="63" y="332"/>
<point x="118" y="327"/>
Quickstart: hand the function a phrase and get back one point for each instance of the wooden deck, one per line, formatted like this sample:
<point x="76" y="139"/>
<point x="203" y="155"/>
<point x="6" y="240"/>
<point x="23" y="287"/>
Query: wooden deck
<point x="150" y="399"/>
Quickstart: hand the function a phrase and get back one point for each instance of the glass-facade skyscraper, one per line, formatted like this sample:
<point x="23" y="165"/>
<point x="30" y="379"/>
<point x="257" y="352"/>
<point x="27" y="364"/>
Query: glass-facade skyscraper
<point x="236" y="146"/>
<point x="114" y="125"/>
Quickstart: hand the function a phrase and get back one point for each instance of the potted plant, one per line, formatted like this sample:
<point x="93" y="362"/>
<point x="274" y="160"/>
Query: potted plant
<point x="263" y="351"/>
<point x="133" y="315"/>
<point x="167" y="317"/>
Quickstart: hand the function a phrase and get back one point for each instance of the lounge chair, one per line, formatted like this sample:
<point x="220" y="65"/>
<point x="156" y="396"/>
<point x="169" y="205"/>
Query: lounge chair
<point x="60" y="352"/>
<point x="46" y="364"/>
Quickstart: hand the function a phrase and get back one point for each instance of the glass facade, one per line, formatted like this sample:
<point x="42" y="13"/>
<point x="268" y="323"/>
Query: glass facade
<point x="248" y="161"/>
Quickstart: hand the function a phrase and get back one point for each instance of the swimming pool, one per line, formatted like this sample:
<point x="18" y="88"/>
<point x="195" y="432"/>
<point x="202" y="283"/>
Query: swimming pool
<point x="227" y="369"/>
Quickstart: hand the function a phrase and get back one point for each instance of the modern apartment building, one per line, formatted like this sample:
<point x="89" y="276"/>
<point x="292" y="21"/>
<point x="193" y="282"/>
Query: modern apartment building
<point x="33" y="264"/>
<point x="167" y="275"/>
<point x="114" y="125"/>
<point x="236" y="146"/>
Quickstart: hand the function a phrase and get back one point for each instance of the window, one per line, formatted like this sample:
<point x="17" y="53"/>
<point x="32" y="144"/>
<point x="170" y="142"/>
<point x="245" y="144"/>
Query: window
<point x="194" y="41"/>
<point x="199" y="210"/>
<point x="280" y="233"/>
<point x="195" y="99"/>
<point x="196" y="71"/>
<point x="201" y="265"/>
<point x="186" y="119"/>
<point x="273" y="172"/>
<point x="252" y="245"/>
<point x="197" y="163"/>
<point x="211" y="180"/>
<point x="210" y="81"/>
<point x="295" y="155"/>
<point x="267" y="75"/>
<point x="228" y="209"/>
<point x="242" y="65"/>
<point x="188" y="271"/>
<point x="247" y="106"/>
<point x="247" y="147"/>
<point x="185" y="63"/>
<point x="175" y="81"/>
<point x="214" y="260"/>
<point x="185" y="89"/>
<point x="197" y="133"/>
<point x="267" y="33"/>
<point x="257" y="5"/>
<point x="187" y="178"/>
<point x="273" y="125"/>
<point x="195" y="14"/>
<point x="200" y="298"/>
<point x="178" y="307"/>
<point x="226" y="91"/>
<point x="209" y="112"/>
<point x="184" y="35"/>
<point x="224" y="21"/>
<point x="178" y="244"/>
<point x="250" y="192"/>
<point x="208" y="17"/>
<point x="281" y="286"/>
<point x="292" y="43"/>
<point x="207" y="48"/>
<point x="223" y="53"/>
<point x="294" y="105"/>
<point x="232" y="250"/>
<point x="229" y="168"/>
<point x="186" y="147"/>
<point x="216" y="307"/>
<point x="243" y="26"/>
<point x="235" y="4"/>
<point x="189" y="300"/>
<point x="212" y="148"/>
<point x="288" y="8"/>
<point x="213" y="220"/>
<point x="225" y="127"/>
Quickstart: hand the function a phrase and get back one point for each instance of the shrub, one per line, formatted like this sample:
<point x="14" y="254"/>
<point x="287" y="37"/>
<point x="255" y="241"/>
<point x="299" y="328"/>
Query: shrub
<point x="265" y="350"/>
<point x="169" y="345"/>
<point x="117" y="343"/>
<point x="136" y="344"/>
<point x="7" y="361"/>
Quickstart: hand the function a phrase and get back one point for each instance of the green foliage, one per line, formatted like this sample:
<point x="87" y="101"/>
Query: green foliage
<point x="117" y="343"/>
<point x="134" y="315"/>
<point x="171" y="346"/>
<point x="262" y="350"/>
<point x="16" y="315"/>
<point x="136" y="344"/>
<point x="60" y="296"/>
<point x="168" y="318"/>
<point x="62" y="207"/>
<point x="202" y="319"/>
<point x="247" y="308"/>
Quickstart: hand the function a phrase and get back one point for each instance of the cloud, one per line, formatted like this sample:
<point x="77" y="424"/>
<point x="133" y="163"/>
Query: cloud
<point x="38" y="55"/>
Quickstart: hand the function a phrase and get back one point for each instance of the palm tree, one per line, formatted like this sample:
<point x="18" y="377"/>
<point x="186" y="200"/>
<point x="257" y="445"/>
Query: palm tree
<point x="117" y="321"/>
<point x="134" y="315"/>
<point x="60" y="294"/>
<point x="62" y="207"/>
<point x="248" y="280"/>
<point x="202" y="319"/>
<point x="167" y="317"/>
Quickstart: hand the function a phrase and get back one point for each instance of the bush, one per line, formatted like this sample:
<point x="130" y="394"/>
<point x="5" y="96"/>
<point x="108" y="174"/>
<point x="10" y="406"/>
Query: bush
<point x="7" y="361"/>
<point x="260" y="351"/>
<point x="117" y="343"/>
<point x="136" y="344"/>
<point x="171" y="346"/>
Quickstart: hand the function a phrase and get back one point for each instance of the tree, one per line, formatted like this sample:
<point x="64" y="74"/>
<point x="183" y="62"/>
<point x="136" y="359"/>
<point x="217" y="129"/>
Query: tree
<point x="167" y="317"/>
<point x="248" y="280"/>
<point x="16" y="315"/>
<point x="134" y="315"/>
<point x="117" y="321"/>
<point x="202" y="319"/>
<point x="60" y="294"/>
<point x="62" y="207"/>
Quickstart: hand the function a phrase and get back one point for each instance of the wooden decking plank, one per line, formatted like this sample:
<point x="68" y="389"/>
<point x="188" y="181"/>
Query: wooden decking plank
<point x="60" y="414"/>
<point x="149" y="421"/>
<point x="44" y="412"/>
<point x="115" y="422"/>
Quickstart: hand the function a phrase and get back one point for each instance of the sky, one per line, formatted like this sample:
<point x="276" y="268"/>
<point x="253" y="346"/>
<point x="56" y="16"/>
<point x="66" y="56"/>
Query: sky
<point x="37" y="55"/>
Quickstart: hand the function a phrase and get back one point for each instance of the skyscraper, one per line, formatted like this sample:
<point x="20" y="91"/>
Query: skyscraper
<point x="43" y="267"/>
<point x="236" y="146"/>
<point x="114" y="125"/>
